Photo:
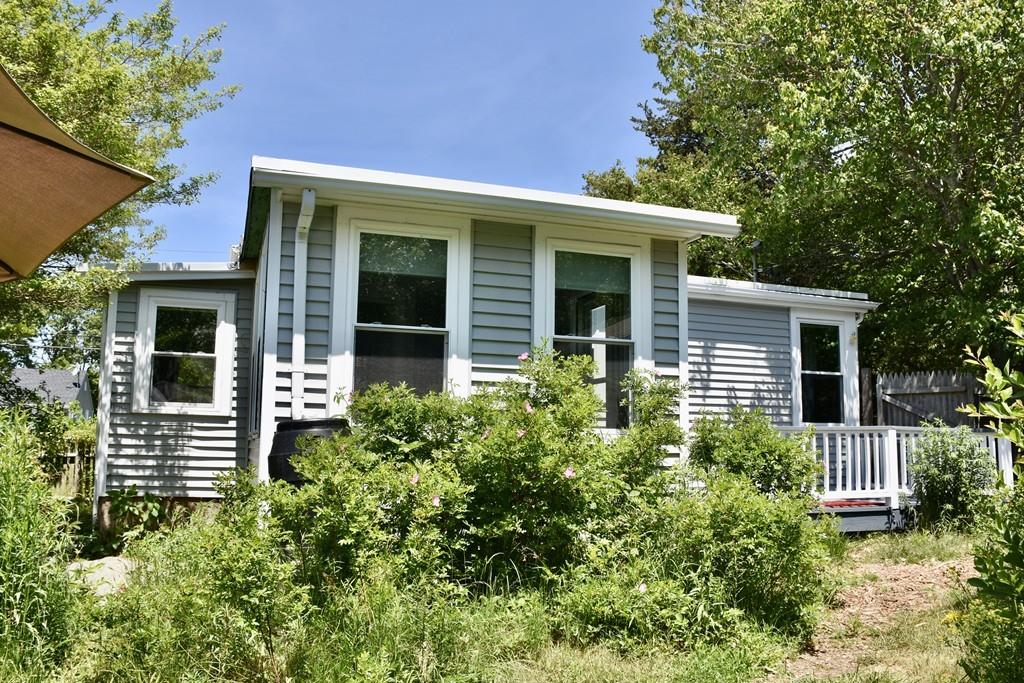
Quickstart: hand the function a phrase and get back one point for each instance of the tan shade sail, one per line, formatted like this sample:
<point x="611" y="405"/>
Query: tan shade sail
<point x="51" y="185"/>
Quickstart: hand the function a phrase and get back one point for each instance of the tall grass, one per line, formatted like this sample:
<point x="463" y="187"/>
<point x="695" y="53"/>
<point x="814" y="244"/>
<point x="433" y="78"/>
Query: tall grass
<point x="37" y="597"/>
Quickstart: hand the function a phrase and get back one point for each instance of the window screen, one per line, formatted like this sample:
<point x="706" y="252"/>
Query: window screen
<point x="184" y="355"/>
<point x="821" y="380"/>
<point x="403" y="283"/>
<point x="592" y="299"/>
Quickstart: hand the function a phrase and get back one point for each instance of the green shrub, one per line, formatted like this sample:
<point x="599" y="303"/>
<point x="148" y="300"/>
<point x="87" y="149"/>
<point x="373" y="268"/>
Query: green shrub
<point x="38" y="601"/>
<point x="212" y="599"/>
<point x="500" y="486"/>
<point x="992" y="628"/>
<point x="770" y="556"/>
<point x="747" y="443"/>
<point x="952" y="475"/>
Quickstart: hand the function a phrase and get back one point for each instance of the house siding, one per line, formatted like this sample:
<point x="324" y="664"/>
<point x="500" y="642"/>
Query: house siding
<point x="176" y="455"/>
<point x="319" y="273"/>
<point x="665" y="279"/>
<point x="740" y="354"/>
<point x="502" y="298"/>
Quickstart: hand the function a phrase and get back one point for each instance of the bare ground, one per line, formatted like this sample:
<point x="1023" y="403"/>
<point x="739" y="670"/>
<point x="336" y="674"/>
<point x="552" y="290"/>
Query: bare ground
<point x="882" y="609"/>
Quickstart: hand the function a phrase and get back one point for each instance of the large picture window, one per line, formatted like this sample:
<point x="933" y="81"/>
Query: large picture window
<point x="184" y="352"/>
<point x="401" y="331"/>
<point x="821" y="373"/>
<point x="593" y="317"/>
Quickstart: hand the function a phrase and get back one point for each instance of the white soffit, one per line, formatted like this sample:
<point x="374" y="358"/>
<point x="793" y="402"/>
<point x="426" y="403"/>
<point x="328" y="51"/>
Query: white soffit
<point x="345" y="180"/>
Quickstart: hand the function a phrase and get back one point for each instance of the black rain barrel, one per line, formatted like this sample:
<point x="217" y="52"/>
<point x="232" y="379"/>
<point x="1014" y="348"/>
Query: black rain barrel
<point x="286" y="437"/>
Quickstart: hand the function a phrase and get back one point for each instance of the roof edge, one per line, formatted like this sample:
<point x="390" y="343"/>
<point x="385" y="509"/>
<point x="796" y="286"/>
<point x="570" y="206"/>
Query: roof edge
<point x="754" y="292"/>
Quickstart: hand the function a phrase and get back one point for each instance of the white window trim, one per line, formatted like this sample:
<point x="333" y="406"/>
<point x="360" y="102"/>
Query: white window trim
<point x="224" y="348"/>
<point x="551" y="238"/>
<point x="457" y="303"/>
<point x="847" y="324"/>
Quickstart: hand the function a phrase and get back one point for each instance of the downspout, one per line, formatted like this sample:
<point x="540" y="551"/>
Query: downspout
<point x="299" y="303"/>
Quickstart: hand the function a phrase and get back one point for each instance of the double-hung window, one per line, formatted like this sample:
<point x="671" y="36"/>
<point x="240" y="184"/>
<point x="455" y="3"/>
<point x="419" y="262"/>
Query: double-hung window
<point x="184" y="352"/>
<point x="402" y="310"/>
<point x="821" y="372"/>
<point x="593" y="317"/>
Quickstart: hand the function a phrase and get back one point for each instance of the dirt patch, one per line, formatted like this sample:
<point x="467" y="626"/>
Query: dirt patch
<point x="878" y="596"/>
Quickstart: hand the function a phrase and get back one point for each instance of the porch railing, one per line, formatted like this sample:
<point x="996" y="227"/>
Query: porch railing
<point x="873" y="463"/>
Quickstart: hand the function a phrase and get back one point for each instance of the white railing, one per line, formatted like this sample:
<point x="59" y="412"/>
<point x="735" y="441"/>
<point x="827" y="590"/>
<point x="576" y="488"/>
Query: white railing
<point x="873" y="463"/>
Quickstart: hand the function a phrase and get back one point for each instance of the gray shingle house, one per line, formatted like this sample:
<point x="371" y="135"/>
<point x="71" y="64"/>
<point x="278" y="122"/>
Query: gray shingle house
<point x="349" y="277"/>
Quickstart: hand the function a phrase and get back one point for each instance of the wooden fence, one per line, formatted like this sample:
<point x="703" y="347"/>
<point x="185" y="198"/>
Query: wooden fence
<point x="78" y="472"/>
<point x="908" y="399"/>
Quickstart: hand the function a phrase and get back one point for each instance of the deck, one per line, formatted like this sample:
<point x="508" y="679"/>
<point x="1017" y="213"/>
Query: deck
<point x="866" y="471"/>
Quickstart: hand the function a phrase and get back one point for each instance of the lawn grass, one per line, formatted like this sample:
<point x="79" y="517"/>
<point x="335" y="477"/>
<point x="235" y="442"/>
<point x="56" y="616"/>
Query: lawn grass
<point x="911" y="547"/>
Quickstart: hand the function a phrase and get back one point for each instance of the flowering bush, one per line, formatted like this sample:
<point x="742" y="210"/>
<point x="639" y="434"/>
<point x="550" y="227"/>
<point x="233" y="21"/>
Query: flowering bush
<point x="953" y="475"/>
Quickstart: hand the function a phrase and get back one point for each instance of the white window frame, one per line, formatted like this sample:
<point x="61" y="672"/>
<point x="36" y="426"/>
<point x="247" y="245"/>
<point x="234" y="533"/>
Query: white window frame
<point x="224" y="349"/>
<point x="847" y="326"/>
<point x="551" y="238"/>
<point x="456" y="329"/>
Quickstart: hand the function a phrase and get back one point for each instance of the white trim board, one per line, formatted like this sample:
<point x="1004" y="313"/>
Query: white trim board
<point x="105" y="403"/>
<point x="343" y="181"/>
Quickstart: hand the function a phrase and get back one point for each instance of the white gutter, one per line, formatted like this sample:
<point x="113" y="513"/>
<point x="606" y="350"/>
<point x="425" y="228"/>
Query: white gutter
<point x="306" y="211"/>
<point x="343" y="182"/>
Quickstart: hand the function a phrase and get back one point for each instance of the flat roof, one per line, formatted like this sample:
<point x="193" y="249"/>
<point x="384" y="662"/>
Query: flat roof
<point x="333" y="181"/>
<point x="781" y="295"/>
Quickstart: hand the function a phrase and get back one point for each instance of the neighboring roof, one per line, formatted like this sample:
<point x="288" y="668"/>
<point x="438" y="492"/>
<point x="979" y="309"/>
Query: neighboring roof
<point x="340" y="182"/>
<point x="152" y="272"/>
<point x="56" y="385"/>
<point x="776" y="295"/>
<point x="52" y="185"/>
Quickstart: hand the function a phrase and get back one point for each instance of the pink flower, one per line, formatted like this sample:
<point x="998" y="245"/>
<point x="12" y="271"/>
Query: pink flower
<point x="487" y="433"/>
<point x="436" y="501"/>
<point x="657" y="373"/>
<point x="520" y="433"/>
<point x="527" y="407"/>
<point x="569" y="472"/>
<point x="525" y="355"/>
<point x="642" y="588"/>
<point x="415" y="478"/>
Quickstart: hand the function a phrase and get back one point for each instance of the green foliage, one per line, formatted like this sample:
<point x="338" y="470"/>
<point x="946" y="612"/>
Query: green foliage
<point x="57" y="428"/>
<point x="1004" y="411"/>
<point x="379" y="631"/>
<point x="870" y="144"/>
<point x="952" y="475"/>
<point x="125" y="86"/>
<point x="212" y="599"/>
<point x="130" y="516"/>
<point x="38" y="603"/>
<point x="747" y="443"/>
<point x="992" y="628"/>
<point x="498" y="485"/>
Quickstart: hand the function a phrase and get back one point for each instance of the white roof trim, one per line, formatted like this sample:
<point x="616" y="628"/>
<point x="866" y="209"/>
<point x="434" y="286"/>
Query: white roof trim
<point x="776" y="295"/>
<point x="272" y="172"/>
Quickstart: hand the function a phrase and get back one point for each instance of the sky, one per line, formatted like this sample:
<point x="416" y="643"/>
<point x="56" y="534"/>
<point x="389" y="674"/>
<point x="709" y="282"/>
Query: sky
<point x="529" y="93"/>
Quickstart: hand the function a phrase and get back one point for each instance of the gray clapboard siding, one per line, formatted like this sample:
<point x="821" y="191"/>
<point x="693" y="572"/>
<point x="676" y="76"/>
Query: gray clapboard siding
<point x="740" y="354"/>
<point x="502" y="292"/>
<point x="665" y="266"/>
<point x="176" y="455"/>
<point x="319" y="274"/>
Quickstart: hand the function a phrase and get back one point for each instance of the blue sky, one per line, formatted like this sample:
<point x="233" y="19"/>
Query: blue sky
<point x="527" y="93"/>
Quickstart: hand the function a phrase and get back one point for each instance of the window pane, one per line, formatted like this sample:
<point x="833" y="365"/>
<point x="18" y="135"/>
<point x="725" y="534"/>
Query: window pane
<point x="613" y="362"/>
<point x="823" y="398"/>
<point x="182" y="379"/>
<point x="592" y="295"/>
<point x="819" y="347"/>
<point x="396" y="357"/>
<point x="402" y="280"/>
<point x="185" y="330"/>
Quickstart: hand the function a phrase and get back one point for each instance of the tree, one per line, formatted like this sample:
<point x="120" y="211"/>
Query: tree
<point x="871" y="144"/>
<point x="126" y="87"/>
